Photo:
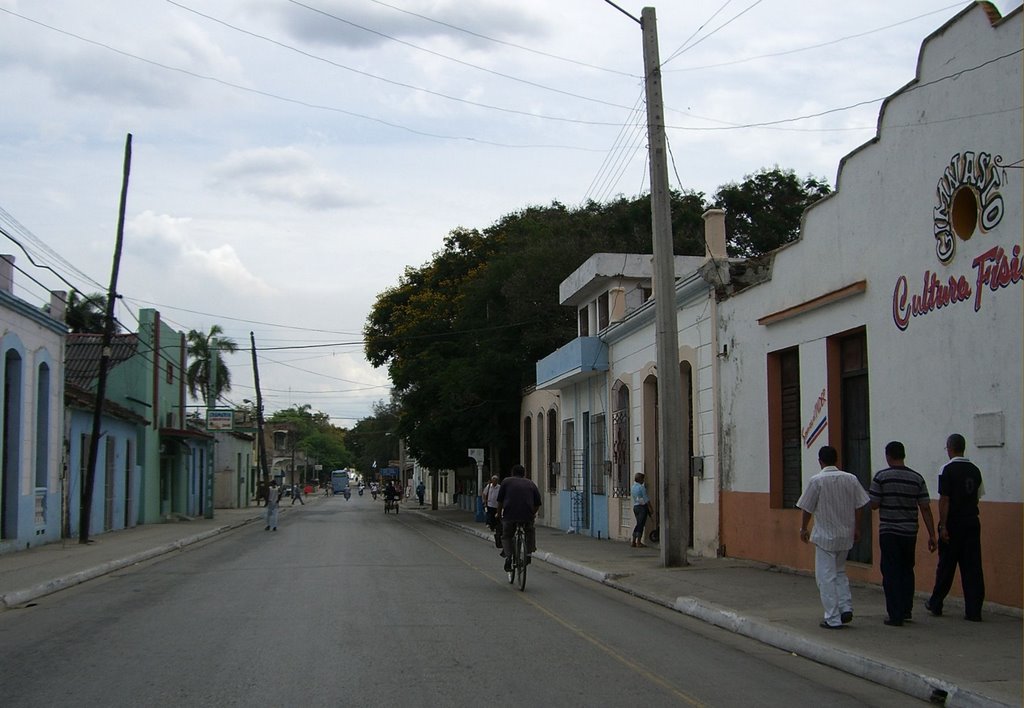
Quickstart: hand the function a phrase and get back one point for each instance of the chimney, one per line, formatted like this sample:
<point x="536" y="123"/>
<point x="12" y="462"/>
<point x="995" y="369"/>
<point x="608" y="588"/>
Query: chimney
<point x="714" y="234"/>
<point x="59" y="305"/>
<point x="7" y="274"/>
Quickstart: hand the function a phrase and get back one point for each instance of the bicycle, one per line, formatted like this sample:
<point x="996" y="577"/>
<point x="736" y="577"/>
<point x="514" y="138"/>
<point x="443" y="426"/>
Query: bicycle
<point x="520" y="556"/>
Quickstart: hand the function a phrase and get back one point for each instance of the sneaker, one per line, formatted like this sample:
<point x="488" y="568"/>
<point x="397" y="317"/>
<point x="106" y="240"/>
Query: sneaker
<point x="826" y="625"/>
<point x="846" y="617"/>
<point x="934" y="609"/>
<point x="267" y="528"/>
<point x="508" y="565"/>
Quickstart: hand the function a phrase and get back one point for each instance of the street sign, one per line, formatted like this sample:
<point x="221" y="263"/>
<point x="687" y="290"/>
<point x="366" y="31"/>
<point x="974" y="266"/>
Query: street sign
<point x="220" y="419"/>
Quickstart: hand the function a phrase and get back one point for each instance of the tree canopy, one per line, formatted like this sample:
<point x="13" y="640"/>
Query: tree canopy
<point x="763" y="211"/>
<point x="316" y="437"/>
<point x="86" y="314"/>
<point x="201" y="352"/>
<point x="461" y="334"/>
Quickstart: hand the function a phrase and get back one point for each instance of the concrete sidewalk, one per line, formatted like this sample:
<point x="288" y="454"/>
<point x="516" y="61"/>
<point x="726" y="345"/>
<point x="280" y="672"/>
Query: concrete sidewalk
<point x="967" y="664"/>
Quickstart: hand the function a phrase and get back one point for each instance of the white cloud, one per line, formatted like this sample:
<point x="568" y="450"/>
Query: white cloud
<point x="286" y="175"/>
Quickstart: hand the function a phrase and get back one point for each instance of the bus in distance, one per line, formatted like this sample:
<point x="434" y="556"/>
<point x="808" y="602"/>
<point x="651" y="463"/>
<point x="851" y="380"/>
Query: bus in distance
<point x="339" y="481"/>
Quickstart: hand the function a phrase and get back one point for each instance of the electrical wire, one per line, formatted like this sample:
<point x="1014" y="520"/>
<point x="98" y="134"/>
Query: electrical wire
<point x="392" y="82"/>
<point x="506" y="43"/>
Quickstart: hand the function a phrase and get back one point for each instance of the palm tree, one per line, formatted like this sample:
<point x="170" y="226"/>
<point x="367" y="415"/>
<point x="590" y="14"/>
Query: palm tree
<point x="201" y="350"/>
<point x="85" y="314"/>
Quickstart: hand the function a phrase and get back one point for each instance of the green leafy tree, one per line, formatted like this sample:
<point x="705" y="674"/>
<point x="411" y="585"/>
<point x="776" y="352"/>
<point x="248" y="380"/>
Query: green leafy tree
<point x="374" y="440"/>
<point x="763" y="212"/>
<point x="86" y="314"/>
<point x="461" y="334"/>
<point x="201" y="351"/>
<point x="316" y="437"/>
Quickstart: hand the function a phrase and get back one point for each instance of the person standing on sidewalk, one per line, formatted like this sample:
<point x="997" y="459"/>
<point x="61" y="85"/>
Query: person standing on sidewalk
<point x="518" y="502"/>
<point x="899" y="493"/>
<point x="297" y="495"/>
<point x="641" y="509"/>
<point x="273" y="497"/>
<point x="836" y="500"/>
<point x="489" y="496"/>
<point x="960" y="487"/>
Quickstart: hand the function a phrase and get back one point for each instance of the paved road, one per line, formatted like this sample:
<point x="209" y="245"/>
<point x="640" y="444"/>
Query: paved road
<point x="345" y="605"/>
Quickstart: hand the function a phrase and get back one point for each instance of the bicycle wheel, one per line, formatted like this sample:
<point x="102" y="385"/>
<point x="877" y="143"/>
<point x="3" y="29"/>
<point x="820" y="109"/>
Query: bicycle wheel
<point x="520" y="555"/>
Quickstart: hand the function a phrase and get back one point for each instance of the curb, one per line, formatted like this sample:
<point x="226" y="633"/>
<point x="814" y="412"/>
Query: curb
<point x="15" y="598"/>
<point x="907" y="681"/>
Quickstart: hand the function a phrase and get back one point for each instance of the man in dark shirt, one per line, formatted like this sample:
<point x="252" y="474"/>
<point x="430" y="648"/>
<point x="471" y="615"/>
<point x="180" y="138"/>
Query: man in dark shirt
<point x="518" y="502"/>
<point x="899" y="493"/>
<point x="960" y="487"/>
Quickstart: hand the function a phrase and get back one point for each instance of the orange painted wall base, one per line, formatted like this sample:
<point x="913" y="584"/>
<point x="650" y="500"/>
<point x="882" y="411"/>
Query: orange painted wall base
<point x="752" y="530"/>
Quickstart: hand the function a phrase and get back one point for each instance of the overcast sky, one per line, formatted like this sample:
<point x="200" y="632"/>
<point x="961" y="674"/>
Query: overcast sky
<point x="291" y="158"/>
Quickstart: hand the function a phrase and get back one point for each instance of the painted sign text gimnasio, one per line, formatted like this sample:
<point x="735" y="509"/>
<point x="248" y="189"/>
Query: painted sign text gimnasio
<point x="994" y="269"/>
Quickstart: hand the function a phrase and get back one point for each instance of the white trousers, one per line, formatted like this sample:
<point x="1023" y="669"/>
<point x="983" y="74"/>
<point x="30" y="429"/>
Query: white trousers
<point x="833" y="585"/>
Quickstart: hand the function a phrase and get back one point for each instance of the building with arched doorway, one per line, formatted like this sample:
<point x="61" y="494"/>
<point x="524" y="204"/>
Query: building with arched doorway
<point x="598" y="427"/>
<point x="896" y="315"/>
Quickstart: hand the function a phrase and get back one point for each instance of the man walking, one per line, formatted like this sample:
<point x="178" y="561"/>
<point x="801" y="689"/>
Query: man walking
<point x="297" y="495"/>
<point x="518" y="502"/>
<point x="836" y="500"/>
<point x="899" y="492"/>
<point x="273" y="497"/>
<point x="960" y="487"/>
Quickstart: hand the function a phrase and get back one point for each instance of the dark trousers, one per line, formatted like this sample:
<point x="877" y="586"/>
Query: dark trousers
<point x="640" y="511"/>
<point x="491" y="519"/>
<point x="964" y="550"/>
<point x="897" y="564"/>
<point x="508" y="531"/>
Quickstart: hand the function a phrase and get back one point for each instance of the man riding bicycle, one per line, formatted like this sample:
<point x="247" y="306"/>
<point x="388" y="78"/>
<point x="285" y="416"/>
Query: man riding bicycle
<point x="518" y="502"/>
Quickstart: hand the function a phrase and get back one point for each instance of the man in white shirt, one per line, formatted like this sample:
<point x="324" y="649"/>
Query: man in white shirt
<point x="836" y="500"/>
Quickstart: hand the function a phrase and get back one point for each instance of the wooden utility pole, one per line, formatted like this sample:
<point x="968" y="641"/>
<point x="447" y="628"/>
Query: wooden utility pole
<point x="673" y="468"/>
<point x="261" y="443"/>
<point x="85" y="507"/>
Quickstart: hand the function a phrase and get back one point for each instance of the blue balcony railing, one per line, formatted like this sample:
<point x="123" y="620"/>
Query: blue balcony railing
<point x="580" y="359"/>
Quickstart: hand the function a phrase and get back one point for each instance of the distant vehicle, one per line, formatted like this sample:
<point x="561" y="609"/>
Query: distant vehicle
<point x="339" y="481"/>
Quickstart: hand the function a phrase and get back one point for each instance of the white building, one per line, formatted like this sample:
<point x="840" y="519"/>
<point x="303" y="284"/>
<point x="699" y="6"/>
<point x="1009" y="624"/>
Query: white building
<point x="601" y="428"/>
<point x="897" y="315"/>
<point x="31" y="417"/>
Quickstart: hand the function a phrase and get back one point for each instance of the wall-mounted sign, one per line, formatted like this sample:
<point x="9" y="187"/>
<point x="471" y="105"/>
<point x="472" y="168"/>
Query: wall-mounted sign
<point x="819" y="421"/>
<point x="220" y="419"/>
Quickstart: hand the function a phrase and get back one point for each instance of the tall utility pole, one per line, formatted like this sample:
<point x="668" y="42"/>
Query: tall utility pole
<point x="85" y="507"/>
<point x="672" y="416"/>
<point x="261" y="443"/>
<point x="211" y="403"/>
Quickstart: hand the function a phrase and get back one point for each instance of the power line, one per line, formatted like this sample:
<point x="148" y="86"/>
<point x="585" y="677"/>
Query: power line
<point x="308" y="104"/>
<point x="814" y="46"/>
<point x="728" y="22"/>
<point x="401" y="84"/>
<point x="449" y="58"/>
<point x="901" y="92"/>
<point x="505" y="43"/>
